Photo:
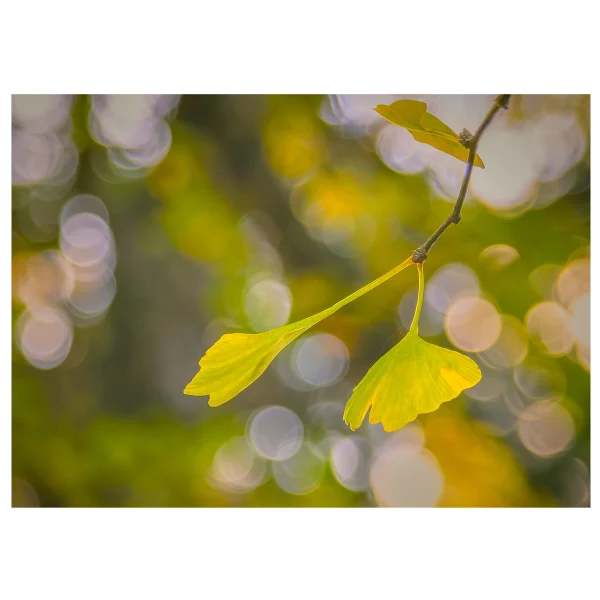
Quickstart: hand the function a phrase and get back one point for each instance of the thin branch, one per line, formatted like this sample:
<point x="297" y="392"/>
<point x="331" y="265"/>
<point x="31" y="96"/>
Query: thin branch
<point x="471" y="142"/>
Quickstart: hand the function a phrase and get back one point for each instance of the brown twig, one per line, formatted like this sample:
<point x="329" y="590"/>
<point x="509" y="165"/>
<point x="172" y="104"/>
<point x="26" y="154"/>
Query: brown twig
<point x="471" y="142"/>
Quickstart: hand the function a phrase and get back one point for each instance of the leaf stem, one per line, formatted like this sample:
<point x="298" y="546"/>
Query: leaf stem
<point x="420" y="254"/>
<point x="415" y="322"/>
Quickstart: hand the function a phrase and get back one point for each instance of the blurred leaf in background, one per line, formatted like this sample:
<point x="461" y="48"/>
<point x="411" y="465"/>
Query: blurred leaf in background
<point x="146" y="227"/>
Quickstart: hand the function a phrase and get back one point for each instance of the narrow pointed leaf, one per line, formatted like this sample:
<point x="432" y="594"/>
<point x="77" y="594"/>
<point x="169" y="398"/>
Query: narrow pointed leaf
<point x="238" y="359"/>
<point x="426" y="128"/>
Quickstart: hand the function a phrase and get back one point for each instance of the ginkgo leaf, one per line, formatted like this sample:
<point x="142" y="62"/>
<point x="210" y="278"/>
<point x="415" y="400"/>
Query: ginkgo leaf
<point x="414" y="377"/>
<point x="238" y="359"/>
<point x="426" y="128"/>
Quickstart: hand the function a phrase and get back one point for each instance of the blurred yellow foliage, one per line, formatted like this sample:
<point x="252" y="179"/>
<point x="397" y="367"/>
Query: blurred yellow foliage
<point x="479" y="469"/>
<point x="174" y="174"/>
<point x="293" y="142"/>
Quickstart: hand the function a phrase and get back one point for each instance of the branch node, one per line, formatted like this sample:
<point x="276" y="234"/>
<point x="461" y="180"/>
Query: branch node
<point x="502" y="100"/>
<point x="465" y="138"/>
<point x="419" y="255"/>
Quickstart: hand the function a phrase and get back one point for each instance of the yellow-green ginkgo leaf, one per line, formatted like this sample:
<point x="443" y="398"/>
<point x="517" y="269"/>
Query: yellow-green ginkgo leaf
<point x="414" y="377"/>
<point x="238" y="359"/>
<point x="426" y="128"/>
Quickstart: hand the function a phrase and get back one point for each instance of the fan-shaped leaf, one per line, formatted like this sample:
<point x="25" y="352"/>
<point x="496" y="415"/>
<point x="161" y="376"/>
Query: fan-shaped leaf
<point x="414" y="377"/>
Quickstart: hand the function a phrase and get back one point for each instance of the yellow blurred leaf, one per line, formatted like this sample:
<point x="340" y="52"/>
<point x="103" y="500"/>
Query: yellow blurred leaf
<point x="414" y="377"/>
<point x="238" y="359"/>
<point x="293" y="142"/>
<point x="426" y="128"/>
<point x="480" y="470"/>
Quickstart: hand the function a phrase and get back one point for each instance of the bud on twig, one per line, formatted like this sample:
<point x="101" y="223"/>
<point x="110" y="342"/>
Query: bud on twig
<point x="465" y="138"/>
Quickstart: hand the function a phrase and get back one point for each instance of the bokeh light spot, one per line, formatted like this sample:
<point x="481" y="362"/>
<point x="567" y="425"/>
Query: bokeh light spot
<point x="84" y="203"/>
<point x="91" y="298"/>
<point x="516" y="151"/>
<point x="45" y="336"/>
<point x="398" y="150"/>
<point x="549" y="325"/>
<point x="473" y="324"/>
<point x="35" y="156"/>
<point x="546" y="428"/>
<point x="580" y="319"/>
<point x="236" y="467"/>
<point x="511" y="347"/>
<point x="86" y="239"/>
<point x="350" y="462"/>
<point x="448" y="284"/>
<point x="499" y="256"/>
<point x="276" y="433"/>
<point x="41" y="112"/>
<point x="542" y="279"/>
<point x="320" y="359"/>
<point x="49" y="278"/>
<point x="563" y="143"/>
<point x="540" y="380"/>
<point x="575" y="483"/>
<point x="573" y="281"/>
<point x="406" y="479"/>
<point x="268" y="305"/>
<point x="301" y="473"/>
<point x="488" y="388"/>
